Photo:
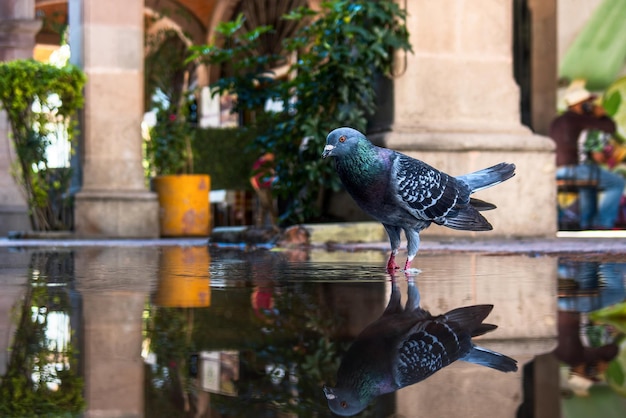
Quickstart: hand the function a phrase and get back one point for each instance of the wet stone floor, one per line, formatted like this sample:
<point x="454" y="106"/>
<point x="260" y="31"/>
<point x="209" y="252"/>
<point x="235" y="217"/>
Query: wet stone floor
<point x="197" y="331"/>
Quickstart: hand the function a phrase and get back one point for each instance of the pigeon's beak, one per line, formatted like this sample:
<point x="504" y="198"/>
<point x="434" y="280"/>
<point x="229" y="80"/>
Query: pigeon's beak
<point x="329" y="393"/>
<point x="328" y="149"/>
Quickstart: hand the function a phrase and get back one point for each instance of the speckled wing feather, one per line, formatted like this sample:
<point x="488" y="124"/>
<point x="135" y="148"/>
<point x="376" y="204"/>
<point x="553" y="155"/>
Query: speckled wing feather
<point x="426" y="192"/>
<point x="427" y="350"/>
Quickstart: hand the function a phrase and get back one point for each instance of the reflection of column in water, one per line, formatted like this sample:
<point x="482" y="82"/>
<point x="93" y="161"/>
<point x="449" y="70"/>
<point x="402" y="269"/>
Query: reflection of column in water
<point x="523" y="292"/>
<point x="114" y="284"/>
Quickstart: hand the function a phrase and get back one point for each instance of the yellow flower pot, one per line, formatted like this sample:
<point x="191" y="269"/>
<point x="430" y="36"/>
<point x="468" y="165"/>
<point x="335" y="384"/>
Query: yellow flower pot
<point x="184" y="207"/>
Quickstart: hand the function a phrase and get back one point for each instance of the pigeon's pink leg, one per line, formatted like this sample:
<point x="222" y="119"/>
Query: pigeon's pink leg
<point x="412" y="245"/>
<point x="407" y="265"/>
<point x="391" y="264"/>
<point x="394" y="240"/>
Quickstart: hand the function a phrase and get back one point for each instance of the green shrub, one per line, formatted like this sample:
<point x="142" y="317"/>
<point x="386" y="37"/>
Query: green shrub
<point x="225" y="154"/>
<point x="38" y="98"/>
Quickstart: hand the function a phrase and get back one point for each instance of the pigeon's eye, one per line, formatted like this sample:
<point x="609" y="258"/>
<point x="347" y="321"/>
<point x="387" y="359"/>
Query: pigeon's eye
<point x="342" y="139"/>
<point x="344" y="404"/>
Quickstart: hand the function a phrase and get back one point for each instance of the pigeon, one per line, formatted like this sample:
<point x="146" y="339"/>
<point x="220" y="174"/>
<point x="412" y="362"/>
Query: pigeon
<point x="407" y="194"/>
<point x="405" y="346"/>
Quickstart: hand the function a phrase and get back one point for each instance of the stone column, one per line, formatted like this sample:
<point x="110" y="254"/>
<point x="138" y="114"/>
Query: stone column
<point x="456" y="106"/>
<point x="107" y="42"/>
<point x="18" y="28"/>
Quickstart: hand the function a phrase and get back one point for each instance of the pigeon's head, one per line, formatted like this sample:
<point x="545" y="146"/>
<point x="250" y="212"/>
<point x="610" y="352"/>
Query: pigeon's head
<point x="342" y="141"/>
<point x="343" y="401"/>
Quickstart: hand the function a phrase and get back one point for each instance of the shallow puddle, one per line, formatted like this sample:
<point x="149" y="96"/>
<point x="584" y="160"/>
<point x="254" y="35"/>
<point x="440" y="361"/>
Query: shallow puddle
<point x="234" y="332"/>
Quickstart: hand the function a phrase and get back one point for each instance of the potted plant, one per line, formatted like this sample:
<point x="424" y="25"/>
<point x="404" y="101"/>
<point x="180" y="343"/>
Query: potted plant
<point x="184" y="208"/>
<point x="183" y="196"/>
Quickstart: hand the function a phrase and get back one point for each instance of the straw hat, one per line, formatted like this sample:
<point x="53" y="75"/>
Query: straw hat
<point x="577" y="93"/>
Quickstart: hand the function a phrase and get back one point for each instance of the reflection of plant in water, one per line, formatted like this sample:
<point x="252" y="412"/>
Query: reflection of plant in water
<point x="284" y="335"/>
<point x="41" y="377"/>
<point x="168" y="331"/>
<point x="614" y="318"/>
<point x="287" y="367"/>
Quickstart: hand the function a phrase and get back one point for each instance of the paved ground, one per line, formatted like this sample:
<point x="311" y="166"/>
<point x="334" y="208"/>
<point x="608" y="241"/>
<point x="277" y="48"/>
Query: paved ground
<point x="614" y="247"/>
<point x="604" y="243"/>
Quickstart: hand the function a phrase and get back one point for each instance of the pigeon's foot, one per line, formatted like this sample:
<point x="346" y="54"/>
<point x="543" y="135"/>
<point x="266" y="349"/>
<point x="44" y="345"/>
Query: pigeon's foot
<point x="391" y="264"/>
<point x="392" y="268"/>
<point x="407" y="265"/>
<point x="408" y="269"/>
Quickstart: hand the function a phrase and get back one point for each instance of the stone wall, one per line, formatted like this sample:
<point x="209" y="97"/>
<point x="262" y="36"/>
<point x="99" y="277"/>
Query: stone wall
<point x="456" y="107"/>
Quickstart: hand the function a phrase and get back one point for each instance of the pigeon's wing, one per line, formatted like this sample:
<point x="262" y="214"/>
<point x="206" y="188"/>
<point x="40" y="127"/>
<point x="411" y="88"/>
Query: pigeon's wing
<point x="426" y="192"/>
<point x="428" y="347"/>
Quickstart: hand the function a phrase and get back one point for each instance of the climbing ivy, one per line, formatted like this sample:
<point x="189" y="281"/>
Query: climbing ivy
<point x="38" y="98"/>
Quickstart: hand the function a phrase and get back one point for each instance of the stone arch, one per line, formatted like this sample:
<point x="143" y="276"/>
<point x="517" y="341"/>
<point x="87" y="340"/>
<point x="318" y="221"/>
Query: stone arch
<point x="178" y="15"/>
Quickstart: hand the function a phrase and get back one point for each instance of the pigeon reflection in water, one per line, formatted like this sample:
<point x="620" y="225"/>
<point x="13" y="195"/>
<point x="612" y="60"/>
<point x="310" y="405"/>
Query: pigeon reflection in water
<point x="405" y="346"/>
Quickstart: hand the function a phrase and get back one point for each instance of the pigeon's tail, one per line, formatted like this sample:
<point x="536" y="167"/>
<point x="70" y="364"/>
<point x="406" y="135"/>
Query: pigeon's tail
<point x="483" y="329"/>
<point x="488" y="358"/>
<point x="469" y="219"/>
<point x="488" y="177"/>
<point x="471" y="318"/>
<point x="481" y="204"/>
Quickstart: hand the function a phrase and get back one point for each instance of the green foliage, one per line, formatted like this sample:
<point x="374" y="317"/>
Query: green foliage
<point x="612" y="103"/>
<point x="166" y="77"/>
<point x="35" y="361"/>
<point x="340" y="51"/>
<point x="168" y="149"/>
<point x="226" y="155"/>
<point x="169" y="333"/>
<point x="38" y="98"/>
<point x="165" y="69"/>
<point x="297" y="338"/>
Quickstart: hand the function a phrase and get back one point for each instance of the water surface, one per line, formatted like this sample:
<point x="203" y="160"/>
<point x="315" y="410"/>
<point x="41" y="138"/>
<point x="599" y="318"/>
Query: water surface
<point x="201" y="332"/>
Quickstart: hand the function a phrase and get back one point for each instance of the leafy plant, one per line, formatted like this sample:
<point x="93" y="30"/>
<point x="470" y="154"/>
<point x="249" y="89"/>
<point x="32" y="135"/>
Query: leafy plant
<point x="224" y="154"/>
<point x="38" y="98"/>
<point x="169" y="146"/>
<point x="612" y="102"/>
<point x="340" y="50"/>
